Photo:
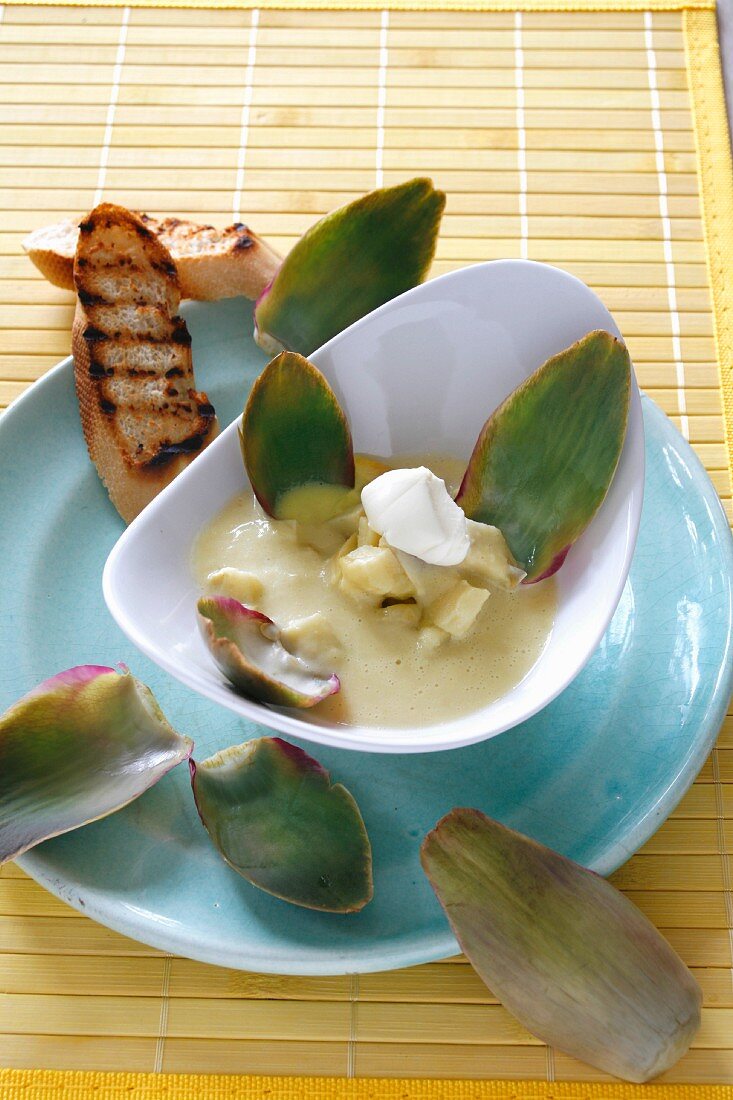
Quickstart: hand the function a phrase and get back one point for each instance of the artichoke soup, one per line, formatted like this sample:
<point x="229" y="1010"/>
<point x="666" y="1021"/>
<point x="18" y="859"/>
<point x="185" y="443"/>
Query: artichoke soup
<point x="414" y="635"/>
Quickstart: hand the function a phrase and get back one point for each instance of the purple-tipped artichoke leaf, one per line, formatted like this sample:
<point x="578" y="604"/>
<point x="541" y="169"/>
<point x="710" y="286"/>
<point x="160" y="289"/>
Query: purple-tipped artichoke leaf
<point x="296" y="443"/>
<point x="277" y="819"/>
<point x="546" y="457"/>
<point x="557" y="562"/>
<point x="78" y="747"/>
<point x="572" y="958"/>
<point x="247" y="648"/>
<point x="351" y="261"/>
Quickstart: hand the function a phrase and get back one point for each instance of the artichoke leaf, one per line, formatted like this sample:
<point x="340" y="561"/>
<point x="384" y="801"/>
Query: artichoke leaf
<point x="277" y="820"/>
<point x="572" y="958"/>
<point x="351" y="261"/>
<point x="247" y="647"/>
<point x="76" y="748"/>
<point x="296" y="443"/>
<point x="546" y="457"/>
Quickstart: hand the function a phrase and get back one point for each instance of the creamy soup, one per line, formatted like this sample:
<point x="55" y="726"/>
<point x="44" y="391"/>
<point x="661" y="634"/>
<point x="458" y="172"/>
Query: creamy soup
<point x="392" y="673"/>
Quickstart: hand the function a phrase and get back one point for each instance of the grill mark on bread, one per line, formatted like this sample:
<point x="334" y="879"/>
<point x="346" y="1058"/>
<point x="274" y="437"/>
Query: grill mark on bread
<point x="180" y="334"/>
<point x="168" y="451"/>
<point x="168" y="268"/>
<point x="94" y="335"/>
<point x="88" y="299"/>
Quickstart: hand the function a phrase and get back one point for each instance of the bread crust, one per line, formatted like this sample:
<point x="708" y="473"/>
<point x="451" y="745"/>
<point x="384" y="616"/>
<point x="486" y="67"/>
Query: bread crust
<point x="211" y="263"/>
<point x="142" y="424"/>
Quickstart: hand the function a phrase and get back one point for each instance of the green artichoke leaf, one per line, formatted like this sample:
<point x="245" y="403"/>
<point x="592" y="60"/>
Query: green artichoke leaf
<point x="546" y="457"/>
<point x="277" y="820"/>
<point x="351" y="261"/>
<point x="246" y="646"/>
<point x="78" y="747"/>
<point x="296" y="443"/>
<point x="563" y="950"/>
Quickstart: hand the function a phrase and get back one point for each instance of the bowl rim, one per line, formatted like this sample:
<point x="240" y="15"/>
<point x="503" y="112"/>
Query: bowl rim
<point x="407" y="739"/>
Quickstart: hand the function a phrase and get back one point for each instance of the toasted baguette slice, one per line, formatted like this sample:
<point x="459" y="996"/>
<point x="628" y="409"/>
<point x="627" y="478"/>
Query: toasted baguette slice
<point x="211" y="263"/>
<point x="143" y="419"/>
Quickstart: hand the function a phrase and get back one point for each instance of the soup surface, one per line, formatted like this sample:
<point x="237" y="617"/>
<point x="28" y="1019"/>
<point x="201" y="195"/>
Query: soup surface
<point x="391" y="673"/>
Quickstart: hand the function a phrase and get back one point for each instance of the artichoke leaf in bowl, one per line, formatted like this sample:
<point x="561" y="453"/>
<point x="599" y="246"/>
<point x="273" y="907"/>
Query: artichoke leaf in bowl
<point x="349" y="263"/>
<point x="545" y="459"/>
<point x="277" y="820"/>
<point x="564" y="951"/>
<point x="296" y="443"/>
<point x="76" y="748"/>
<point x="247" y="647"/>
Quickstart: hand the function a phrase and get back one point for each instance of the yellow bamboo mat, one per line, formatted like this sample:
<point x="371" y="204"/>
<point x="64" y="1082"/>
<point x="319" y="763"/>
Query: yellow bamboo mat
<point x="563" y="136"/>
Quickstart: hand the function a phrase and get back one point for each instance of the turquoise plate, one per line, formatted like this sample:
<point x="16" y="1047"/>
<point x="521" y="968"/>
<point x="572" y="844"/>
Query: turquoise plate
<point x="593" y="775"/>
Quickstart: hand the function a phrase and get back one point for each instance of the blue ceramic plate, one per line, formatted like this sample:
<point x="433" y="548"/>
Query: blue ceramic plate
<point x="593" y="775"/>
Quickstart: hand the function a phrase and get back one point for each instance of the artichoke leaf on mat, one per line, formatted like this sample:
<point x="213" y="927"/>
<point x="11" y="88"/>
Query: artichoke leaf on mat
<point x="277" y="820"/>
<point x="296" y="443"/>
<point x="546" y="457"/>
<point x="76" y="748"/>
<point x="572" y="958"/>
<point x="351" y="261"/>
<point x="247" y="647"/>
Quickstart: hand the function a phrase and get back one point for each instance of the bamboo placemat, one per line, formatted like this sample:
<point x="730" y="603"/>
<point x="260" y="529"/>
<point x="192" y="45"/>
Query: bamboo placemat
<point x="561" y="136"/>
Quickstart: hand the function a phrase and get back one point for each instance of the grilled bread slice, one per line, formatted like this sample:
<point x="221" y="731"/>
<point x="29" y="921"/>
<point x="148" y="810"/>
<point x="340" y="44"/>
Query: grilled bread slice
<point x="143" y="419"/>
<point x="211" y="263"/>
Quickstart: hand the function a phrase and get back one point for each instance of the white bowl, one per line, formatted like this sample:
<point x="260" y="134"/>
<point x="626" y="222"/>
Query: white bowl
<point x="422" y="373"/>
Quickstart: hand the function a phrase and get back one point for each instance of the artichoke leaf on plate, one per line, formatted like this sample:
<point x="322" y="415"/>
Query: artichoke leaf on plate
<point x="78" y="747"/>
<point x="277" y="820"/>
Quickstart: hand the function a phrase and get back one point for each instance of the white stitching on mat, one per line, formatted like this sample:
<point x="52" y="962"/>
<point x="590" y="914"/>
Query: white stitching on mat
<point x="246" y="105"/>
<point x="651" y="59"/>
<point x="521" y="137"/>
<point x="550" y="1064"/>
<point x="353" y="1009"/>
<point x="112" y="106"/>
<point x="381" y="98"/>
<point x="163" y="1022"/>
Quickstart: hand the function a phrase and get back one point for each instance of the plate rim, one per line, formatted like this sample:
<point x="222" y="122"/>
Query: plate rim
<point x="381" y="958"/>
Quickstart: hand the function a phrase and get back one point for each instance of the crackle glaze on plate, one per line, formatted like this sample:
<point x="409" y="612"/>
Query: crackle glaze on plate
<point x="593" y="775"/>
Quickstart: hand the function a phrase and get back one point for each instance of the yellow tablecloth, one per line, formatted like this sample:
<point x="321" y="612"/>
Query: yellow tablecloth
<point x="37" y="1085"/>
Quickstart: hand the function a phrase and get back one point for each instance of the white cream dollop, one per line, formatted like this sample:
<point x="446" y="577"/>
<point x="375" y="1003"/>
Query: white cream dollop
<point x="414" y="512"/>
